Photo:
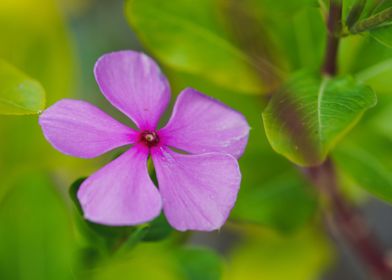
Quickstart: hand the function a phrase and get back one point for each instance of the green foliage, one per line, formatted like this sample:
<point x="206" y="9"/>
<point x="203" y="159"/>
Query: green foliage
<point x="163" y="262"/>
<point x="298" y="34"/>
<point x="367" y="166"/>
<point x="253" y="55"/>
<point x="383" y="35"/>
<point x="308" y="116"/>
<point x="40" y="46"/>
<point x="269" y="203"/>
<point x="36" y="235"/>
<point x="369" y="61"/>
<point x="374" y="17"/>
<point x="192" y="38"/>
<point x="266" y="256"/>
<point x="199" y="264"/>
<point x="19" y="94"/>
<point x="364" y="159"/>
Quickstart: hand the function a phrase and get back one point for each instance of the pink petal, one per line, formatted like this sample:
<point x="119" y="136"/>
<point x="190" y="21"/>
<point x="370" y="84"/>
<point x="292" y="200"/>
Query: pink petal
<point x="80" y="129"/>
<point x="121" y="193"/>
<point x="200" y="124"/>
<point x="198" y="191"/>
<point x="134" y="84"/>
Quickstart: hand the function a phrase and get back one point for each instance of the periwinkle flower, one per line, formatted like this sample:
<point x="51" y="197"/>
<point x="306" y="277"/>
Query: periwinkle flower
<point x="197" y="188"/>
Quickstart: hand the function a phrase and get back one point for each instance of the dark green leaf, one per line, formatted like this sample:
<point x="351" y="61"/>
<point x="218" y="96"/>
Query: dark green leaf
<point x="19" y="94"/>
<point x="355" y="12"/>
<point x="199" y="264"/>
<point x="158" y="229"/>
<point x="309" y="115"/>
<point x="134" y="238"/>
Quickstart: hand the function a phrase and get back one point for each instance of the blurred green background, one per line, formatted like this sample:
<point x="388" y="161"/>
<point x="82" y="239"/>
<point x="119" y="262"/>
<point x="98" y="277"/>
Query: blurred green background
<point x="276" y="230"/>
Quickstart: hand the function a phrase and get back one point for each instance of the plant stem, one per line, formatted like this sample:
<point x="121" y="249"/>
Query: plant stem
<point x="334" y="28"/>
<point x="349" y="221"/>
<point x="346" y="219"/>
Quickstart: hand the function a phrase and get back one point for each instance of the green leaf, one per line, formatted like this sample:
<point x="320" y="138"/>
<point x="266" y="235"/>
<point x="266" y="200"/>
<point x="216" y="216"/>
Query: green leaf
<point x="309" y="115"/>
<point x="269" y="203"/>
<point x="19" y="94"/>
<point x="284" y="6"/>
<point x="368" y="170"/>
<point x="188" y="36"/>
<point x="383" y="35"/>
<point x="36" y="233"/>
<point x="355" y="11"/>
<point x="199" y="264"/>
<point x="262" y="255"/>
<point x="158" y="229"/>
<point x="40" y="45"/>
<point x="369" y="62"/>
<point x="147" y="261"/>
<point x="382" y="121"/>
<point x="299" y="35"/>
<point x="363" y="158"/>
<point x="369" y="9"/>
<point x="162" y="261"/>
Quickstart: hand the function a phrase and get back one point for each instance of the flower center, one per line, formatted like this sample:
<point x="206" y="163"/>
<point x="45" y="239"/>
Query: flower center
<point x="149" y="138"/>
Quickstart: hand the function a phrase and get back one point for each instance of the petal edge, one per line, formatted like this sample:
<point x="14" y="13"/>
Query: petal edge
<point x="80" y="129"/>
<point x="121" y="193"/>
<point x="134" y="84"/>
<point x="198" y="191"/>
<point x="201" y="124"/>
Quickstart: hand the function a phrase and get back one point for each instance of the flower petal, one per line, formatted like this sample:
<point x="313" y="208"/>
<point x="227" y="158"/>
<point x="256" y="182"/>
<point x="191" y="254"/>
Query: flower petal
<point x="80" y="129"/>
<point x="200" y="124"/>
<point x="134" y="84"/>
<point x="121" y="193"/>
<point x="198" y="191"/>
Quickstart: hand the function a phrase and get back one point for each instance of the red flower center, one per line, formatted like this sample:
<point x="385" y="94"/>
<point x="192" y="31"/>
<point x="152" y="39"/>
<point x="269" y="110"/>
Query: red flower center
<point x="149" y="138"/>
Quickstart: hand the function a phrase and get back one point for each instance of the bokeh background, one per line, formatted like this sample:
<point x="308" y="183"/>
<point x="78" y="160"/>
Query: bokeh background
<point x="276" y="230"/>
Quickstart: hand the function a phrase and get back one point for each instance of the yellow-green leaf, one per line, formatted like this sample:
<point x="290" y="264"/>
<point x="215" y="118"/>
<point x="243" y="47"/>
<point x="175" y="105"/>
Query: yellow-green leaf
<point x="189" y="36"/>
<point x="19" y="94"/>
<point x="265" y="256"/>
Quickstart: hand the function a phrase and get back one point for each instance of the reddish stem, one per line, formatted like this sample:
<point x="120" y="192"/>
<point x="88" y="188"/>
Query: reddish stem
<point x="334" y="27"/>
<point x="350" y="223"/>
<point x="346" y="218"/>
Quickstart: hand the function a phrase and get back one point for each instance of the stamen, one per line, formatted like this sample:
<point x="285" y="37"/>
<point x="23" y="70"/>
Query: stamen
<point x="149" y="138"/>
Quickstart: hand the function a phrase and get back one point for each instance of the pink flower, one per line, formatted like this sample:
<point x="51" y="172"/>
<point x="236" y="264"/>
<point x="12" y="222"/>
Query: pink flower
<point x="197" y="188"/>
